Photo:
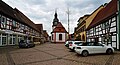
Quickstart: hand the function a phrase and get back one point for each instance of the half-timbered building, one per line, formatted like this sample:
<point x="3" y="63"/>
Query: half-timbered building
<point x="103" y="28"/>
<point x="15" y="26"/>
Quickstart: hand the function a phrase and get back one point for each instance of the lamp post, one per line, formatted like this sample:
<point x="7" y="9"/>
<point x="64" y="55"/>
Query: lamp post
<point x="68" y="13"/>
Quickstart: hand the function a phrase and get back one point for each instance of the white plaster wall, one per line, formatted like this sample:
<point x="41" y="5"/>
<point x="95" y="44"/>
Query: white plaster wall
<point x="53" y="37"/>
<point x="63" y="37"/>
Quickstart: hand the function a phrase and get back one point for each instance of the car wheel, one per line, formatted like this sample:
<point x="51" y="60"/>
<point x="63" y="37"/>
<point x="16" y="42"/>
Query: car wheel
<point x="73" y="48"/>
<point x="85" y="53"/>
<point x="109" y="51"/>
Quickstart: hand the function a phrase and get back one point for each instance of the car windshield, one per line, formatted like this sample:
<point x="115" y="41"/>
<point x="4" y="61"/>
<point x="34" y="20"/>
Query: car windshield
<point x="78" y="43"/>
<point x="69" y="42"/>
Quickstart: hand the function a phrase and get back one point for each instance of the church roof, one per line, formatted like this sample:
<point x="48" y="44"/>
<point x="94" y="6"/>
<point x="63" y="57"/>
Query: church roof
<point x="59" y="28"/>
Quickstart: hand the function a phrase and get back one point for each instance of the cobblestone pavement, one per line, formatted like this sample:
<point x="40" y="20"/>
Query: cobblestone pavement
<point x="52" y="54"/>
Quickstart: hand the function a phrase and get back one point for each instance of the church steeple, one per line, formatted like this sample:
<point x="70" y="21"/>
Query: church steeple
<point x="55" y="14"/>
<point x="55" y="20"/>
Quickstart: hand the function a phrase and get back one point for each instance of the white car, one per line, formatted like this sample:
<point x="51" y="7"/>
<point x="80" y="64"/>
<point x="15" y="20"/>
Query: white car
<point x="67" y="43"/>
<point x="93" y="48"/>
<point x="73" y="44"/>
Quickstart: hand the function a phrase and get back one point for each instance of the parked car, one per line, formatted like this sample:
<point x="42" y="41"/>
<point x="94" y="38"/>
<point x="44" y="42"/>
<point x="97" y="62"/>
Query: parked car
<point x="67" y="43"/>
<point x="22" y="44"/>
<point x="30" y="44"/>
<point x="73" y="44"/>
<point x="93" y="48"/>
<point x="26" y="44"/>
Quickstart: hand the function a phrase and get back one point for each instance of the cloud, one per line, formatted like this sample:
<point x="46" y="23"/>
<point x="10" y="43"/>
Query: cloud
<point x="42" y="11"/>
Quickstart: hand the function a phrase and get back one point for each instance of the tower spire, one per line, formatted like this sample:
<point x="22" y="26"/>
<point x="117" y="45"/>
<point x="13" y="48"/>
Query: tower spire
<point x="55" y="20"/>
<point x="55" y="13"/>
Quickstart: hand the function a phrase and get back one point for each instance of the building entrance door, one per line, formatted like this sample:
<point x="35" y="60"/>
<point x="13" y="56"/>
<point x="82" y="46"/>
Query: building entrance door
<point x="4" y="39"/>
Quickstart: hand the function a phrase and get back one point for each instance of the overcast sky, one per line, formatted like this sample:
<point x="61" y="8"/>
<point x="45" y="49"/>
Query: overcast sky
<point x="42" y="11"/>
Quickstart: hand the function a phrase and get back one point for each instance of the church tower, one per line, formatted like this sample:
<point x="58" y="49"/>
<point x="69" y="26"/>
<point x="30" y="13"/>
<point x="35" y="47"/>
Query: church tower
<point x="55" y="20"/>
<point x="59" y="33"/>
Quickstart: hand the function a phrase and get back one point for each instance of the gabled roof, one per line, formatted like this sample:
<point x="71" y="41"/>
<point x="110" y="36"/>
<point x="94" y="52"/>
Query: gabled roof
<point x="109" y="10"/>
<point x="59" y="28"/>
<point x="39" y="26"/>
<point x="45" y="33"/>
<point x="25" y="19"/>
<point x="6" y="10"/>
<point x="85" y="16"/>
<point x="59" y="25"/>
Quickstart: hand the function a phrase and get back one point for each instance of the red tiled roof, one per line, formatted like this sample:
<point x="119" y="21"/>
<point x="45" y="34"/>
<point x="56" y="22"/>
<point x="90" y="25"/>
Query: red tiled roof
<point x="109" y="10"/>
<point x="39" y="26"/>
<point x="59" y="28"/>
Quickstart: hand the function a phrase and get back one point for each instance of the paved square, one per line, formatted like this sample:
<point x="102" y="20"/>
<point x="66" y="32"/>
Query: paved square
<point x="52" y="54"/>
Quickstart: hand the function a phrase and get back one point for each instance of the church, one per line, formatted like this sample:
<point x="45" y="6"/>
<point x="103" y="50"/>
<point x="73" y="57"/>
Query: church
<point x="59" y="33"/>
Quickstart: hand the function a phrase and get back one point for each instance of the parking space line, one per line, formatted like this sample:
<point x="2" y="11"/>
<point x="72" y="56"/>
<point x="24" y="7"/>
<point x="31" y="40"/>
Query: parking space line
<point x="9" y="59"/>
<point x="110" y="60"/>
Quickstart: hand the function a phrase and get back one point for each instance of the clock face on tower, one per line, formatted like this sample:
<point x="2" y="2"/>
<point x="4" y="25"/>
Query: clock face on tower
<point x="55" y="23"/>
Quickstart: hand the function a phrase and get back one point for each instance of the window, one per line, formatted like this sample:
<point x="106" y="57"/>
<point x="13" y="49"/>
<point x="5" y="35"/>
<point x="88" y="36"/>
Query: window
<point x="103" y="26"/>
<point x="94" y="30"/>
<point x="14" y="23"/>
<point x="60" y="36"/>
<point x="113" y="29"/>
<point x="113" y="24"/>
<point x="21" y="27"/>
<point x="8" y="23"/>
<point x="113" y="38"/>
<point x="4" y="39"/>
<point x="3" y="22"/>
<point x="114" y="44"/>
<point x="113" y="19"/>
<point x="107" y="24"/>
